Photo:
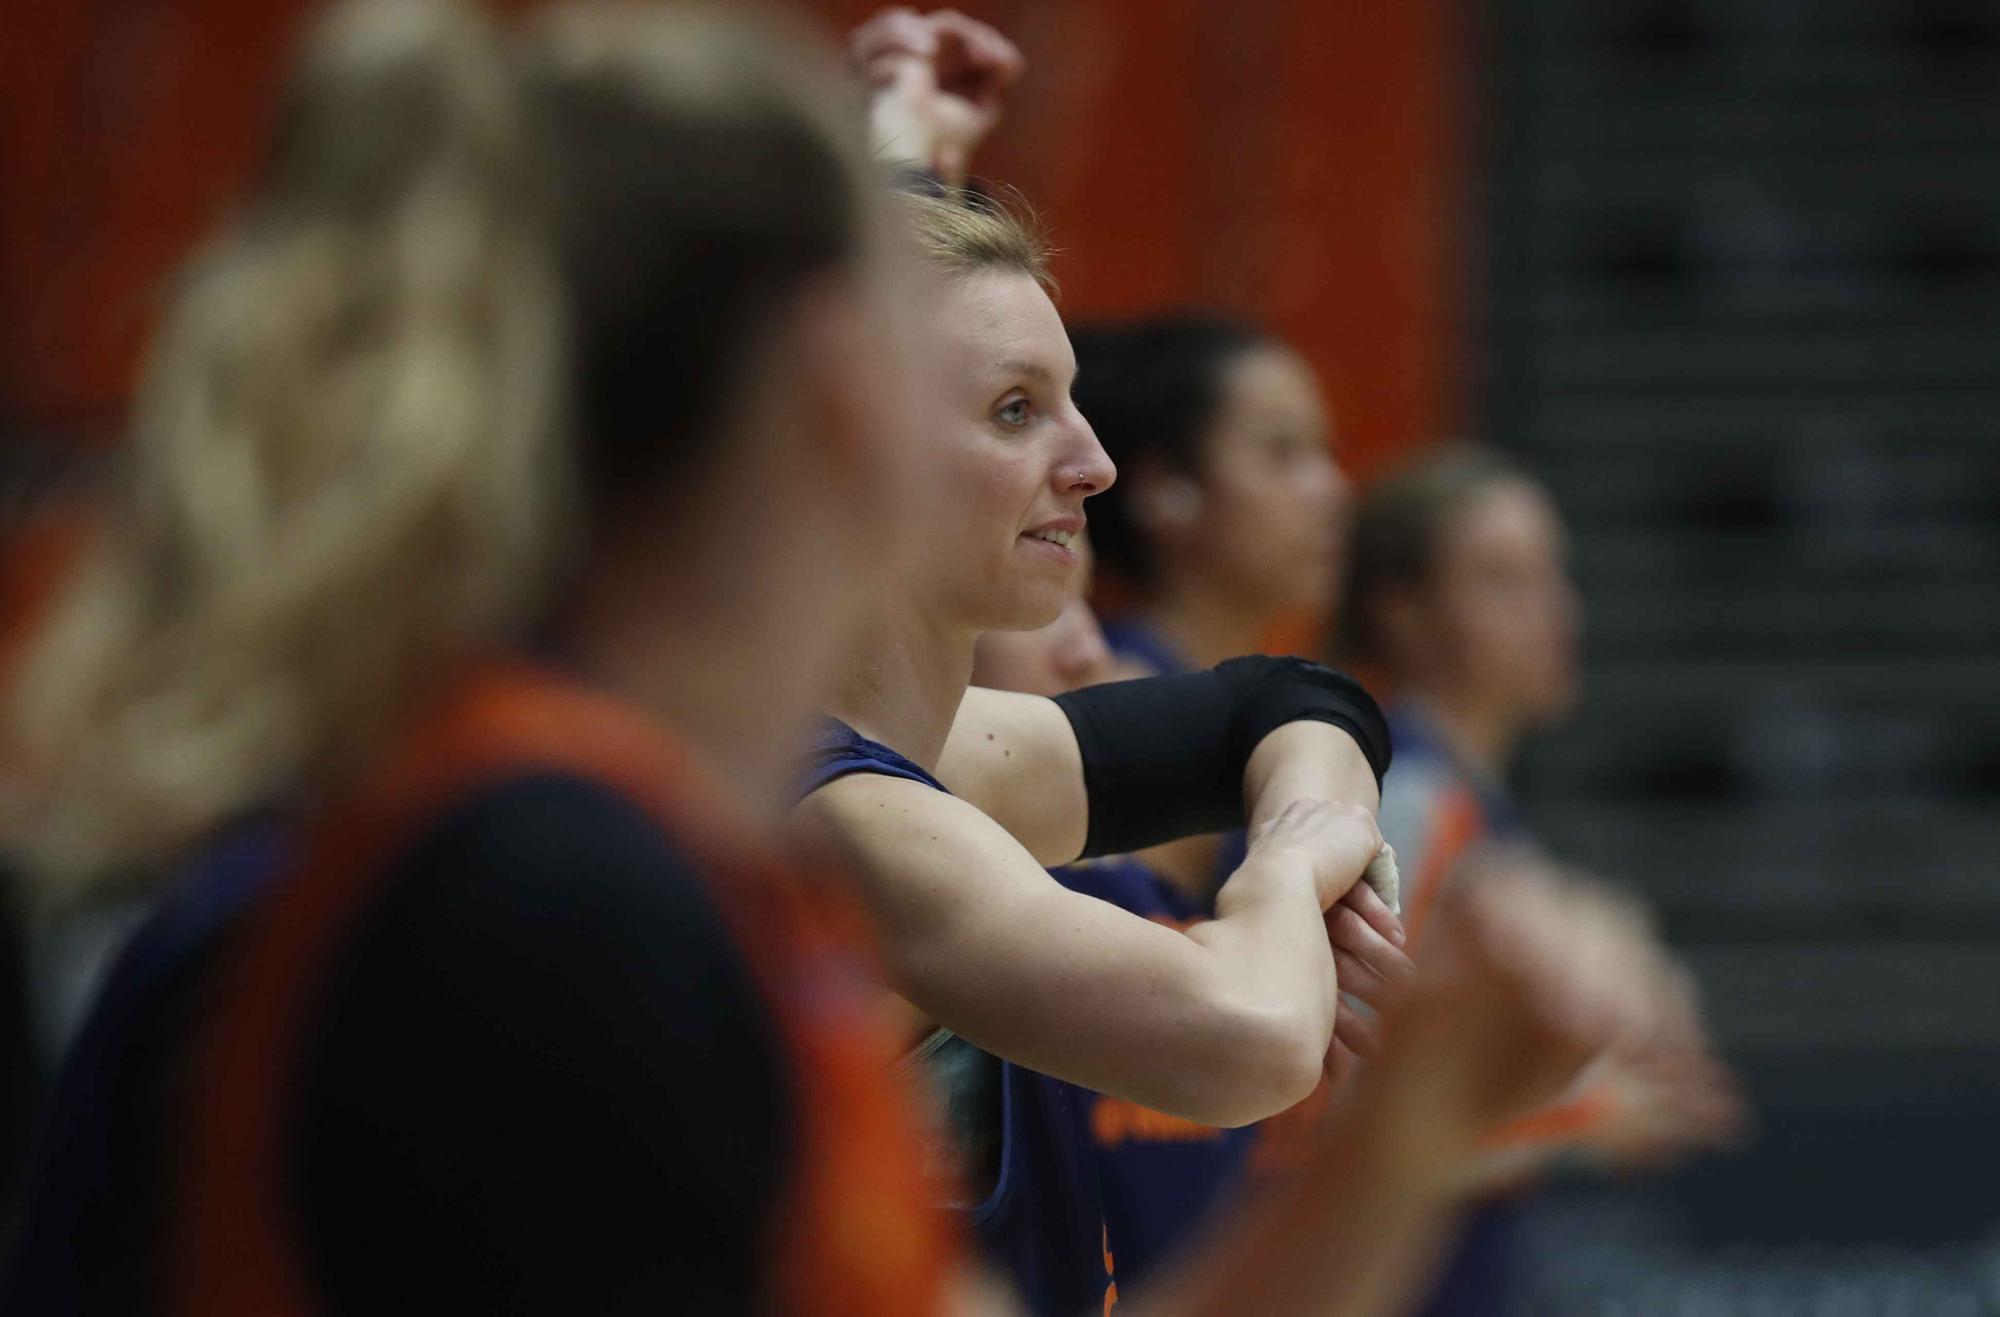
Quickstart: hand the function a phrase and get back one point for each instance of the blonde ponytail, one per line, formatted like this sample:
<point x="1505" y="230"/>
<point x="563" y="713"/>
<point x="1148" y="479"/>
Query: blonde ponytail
<point x="344" y="460"/>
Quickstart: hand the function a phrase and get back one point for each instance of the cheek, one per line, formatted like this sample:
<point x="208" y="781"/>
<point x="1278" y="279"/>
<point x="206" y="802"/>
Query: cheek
<point x="1261" y="525"/>
<point x="1515" y="636"/>
<point x="1001" y="490"/>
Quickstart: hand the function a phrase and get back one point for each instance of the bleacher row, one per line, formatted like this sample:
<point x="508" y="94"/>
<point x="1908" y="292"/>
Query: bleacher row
<point x="1739" y="270"/>
<point x="1741" y="289"/>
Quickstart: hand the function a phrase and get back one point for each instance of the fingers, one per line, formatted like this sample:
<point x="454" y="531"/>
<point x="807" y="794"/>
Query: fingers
<point x="1341" y="1063"/>
<point x="985" y="50"/>
<point x="1369" y="965"/>
<point x="1364" y="901"/>
<point x="897" y="31"/>
<point x="1357" y="1032"/>
<point x="969" y="58"/>
<point x="1279" y="827"/>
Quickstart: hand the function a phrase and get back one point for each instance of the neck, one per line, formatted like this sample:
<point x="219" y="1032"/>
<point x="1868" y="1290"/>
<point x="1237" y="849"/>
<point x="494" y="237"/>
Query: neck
<point x="1206" y="624"/>
<point x="717" y="665"/>
<point x="1483" y="738"/>
<point x="903" y="686"/>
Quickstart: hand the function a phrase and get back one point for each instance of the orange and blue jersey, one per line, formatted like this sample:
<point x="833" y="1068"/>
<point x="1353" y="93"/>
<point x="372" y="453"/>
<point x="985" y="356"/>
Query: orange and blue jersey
<point x="1021" y="1154"/>
<point x="268" y="1110"/>
<point x="1436" y="811"/>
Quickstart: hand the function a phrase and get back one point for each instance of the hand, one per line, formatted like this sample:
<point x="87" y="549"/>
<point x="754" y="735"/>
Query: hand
<point x="1526" y="980"/>
<point x="1337" y="844"/>
<point x="1662" y="1106"/>
<point x="1372" y="967"/>
<point x="1666" y="1094"/>
<point x="936" y="84"/>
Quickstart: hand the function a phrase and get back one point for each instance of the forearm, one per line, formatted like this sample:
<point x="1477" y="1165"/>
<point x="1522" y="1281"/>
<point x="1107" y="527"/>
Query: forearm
<point x="1225" y="1024"/>
<point x="1269" y="953"/>
<point x="1307" y="761"/>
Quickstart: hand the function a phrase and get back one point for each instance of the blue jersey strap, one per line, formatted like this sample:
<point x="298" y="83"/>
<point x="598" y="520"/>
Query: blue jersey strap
<point x="838" y="750"/>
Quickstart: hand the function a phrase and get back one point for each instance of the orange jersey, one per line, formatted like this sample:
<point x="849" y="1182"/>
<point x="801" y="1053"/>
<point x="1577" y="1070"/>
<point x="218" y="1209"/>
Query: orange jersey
<point x="854" y="1233"/>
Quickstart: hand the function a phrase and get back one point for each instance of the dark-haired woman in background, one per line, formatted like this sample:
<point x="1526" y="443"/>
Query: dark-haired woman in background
<point x="1229" y="511"/>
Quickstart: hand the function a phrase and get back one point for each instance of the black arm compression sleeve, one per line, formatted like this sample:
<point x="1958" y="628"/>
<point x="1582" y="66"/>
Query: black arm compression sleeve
<point x="1164" y="757"/>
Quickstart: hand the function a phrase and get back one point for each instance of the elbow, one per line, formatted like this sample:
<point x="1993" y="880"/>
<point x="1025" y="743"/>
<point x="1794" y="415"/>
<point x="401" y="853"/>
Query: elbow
<point x="1273" y="1057"/>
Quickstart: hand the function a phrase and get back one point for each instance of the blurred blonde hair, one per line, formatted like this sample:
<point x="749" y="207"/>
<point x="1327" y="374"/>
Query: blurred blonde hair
<point x="350" y="456"/>
<point x="341" y="458"/>
<point x="971" y="233"/>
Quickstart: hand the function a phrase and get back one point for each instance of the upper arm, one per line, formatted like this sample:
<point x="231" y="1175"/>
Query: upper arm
<point x="1014" y="758"/>
<point x="980" y="937"/>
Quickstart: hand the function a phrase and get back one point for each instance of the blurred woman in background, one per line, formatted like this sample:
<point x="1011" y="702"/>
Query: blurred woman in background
<point x="1458" y="593"/>
<point x="1459" y="597"/>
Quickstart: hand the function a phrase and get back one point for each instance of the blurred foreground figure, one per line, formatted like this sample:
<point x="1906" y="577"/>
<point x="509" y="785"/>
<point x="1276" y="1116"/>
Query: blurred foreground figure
<point x="449" y="722"/>
<point x="1459" y="596"/>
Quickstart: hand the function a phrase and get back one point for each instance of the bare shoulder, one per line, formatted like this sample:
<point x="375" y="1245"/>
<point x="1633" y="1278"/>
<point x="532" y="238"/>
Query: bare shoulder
<point x="904" y="836"/>
<point x="892" y="821"/>
<point x="868" y="803"/>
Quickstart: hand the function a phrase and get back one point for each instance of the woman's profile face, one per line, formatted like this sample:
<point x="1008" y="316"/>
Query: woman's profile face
<point x="1503" y="608"/>
<point x="1016" y="459"/>
<point x="1273" y="505"/>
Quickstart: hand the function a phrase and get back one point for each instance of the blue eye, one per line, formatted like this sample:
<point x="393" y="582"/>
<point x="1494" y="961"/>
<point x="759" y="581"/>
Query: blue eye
<point x="1013" y="413"/>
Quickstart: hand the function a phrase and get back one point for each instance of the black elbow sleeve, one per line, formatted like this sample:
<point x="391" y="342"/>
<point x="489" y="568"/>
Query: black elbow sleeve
<point x="1163" y="757"/>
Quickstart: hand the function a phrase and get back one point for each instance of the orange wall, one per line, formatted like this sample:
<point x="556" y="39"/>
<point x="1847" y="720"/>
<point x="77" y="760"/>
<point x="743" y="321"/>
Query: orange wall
<point x="1288" y="160"/>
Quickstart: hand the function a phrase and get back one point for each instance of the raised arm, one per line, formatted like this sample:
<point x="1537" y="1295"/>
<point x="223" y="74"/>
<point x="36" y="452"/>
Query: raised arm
<point x="935" y="86"/>
<point x="1224" y="1024"/>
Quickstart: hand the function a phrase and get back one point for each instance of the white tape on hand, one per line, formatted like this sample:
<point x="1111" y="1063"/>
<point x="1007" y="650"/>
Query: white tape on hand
<point x="1382" y="875"/>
